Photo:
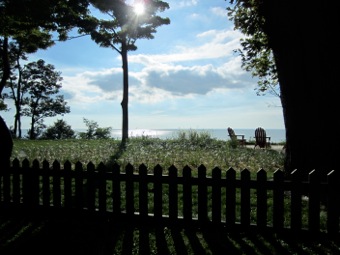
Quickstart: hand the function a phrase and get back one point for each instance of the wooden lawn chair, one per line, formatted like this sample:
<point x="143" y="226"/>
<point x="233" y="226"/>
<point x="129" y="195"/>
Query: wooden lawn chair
<point x="239" y="138"/>
<point x="261" y="138"/>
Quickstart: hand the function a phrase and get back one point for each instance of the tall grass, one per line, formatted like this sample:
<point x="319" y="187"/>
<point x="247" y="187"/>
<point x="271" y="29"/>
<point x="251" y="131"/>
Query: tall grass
<point x="187" y="148"/>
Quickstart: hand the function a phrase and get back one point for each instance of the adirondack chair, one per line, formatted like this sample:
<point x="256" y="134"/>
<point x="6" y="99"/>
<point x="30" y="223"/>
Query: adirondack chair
<point x="261" y="138"/>
<point x="239" y="138"/>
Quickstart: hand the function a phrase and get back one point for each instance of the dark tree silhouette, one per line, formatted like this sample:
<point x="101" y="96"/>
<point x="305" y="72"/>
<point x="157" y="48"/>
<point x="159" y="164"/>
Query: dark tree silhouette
<point x="121" y="32"/>
<point x="301" y="36"/>
<point x="41" y="100"/>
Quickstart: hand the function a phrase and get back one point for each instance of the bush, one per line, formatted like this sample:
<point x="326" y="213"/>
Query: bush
<point x="60" y="130"/>
<point x="94" y="131"/>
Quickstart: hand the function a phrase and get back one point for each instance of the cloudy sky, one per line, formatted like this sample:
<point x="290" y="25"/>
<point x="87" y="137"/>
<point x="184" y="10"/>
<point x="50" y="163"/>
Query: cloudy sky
<point x="186" y="77"/>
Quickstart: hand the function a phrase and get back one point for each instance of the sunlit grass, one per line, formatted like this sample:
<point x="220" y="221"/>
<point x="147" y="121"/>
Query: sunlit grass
<point x="192" y="149"/>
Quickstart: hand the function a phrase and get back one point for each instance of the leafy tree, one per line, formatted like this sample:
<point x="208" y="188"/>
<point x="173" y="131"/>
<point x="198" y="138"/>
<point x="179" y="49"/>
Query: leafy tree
<point x="257" y="56"/>
<point x="32" y="23"/>
<point x="59" y="130"/>
<point x="301" y="37"/>
<point x="3" y="106"/>
<point x="94" y="131"/>
<point x="14" y="83"/>
<point x="121" y="33"/>
<point x="42" y="84"/>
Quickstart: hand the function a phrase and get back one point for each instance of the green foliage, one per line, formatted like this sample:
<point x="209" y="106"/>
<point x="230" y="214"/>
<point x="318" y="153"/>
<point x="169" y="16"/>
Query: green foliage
<point x="94" y="131"/>
<point x="41" y="83"/>
<point x="31" y="24"/>
<point x="150" y="151"/>
<point x="120" y="33"/>
<point x="257" y="56"/>
<point x="60" y="130"/>
<point x="126" y="26"/>
<point x="3" y="106"/>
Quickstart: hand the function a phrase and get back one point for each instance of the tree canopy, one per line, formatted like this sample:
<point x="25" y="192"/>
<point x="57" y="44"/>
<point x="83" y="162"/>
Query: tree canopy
<point x="121" y="31"/>
<point x="301" y="37"/>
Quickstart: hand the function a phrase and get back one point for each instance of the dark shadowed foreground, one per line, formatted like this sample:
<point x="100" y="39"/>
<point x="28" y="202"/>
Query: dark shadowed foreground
<point x="79" y="235"/>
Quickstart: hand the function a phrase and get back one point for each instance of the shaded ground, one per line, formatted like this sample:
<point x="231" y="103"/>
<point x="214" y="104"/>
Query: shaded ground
<point x="42" y="235"/>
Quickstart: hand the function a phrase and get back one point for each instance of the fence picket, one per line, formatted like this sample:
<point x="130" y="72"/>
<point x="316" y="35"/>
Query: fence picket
<point x="261" y="200"/>
<point x="278" y="200"/>
<point x="91" y="181"/>
<point x="245" y="198"/>
<point x="231" y="197"/>
<point x="102" y="188"/>
<point x="26" y="183"/>
<point x="216" y="195"/>
<point x="187" y="194"/>
<point x="56" y="184"/>
<point x="67" y="185"/>
<point x="129" y="187"/>
<point x="173" y="193"/>
<point x="143" y="191"/>
<point x="333" y="211"/>
<point x="93" y="195"/>
<point x="116" y="190"/>
<point x="79" y="179"/>
<point x="296" y="201"/>
<point x="202" y="195"/>
<point x="16" y="183"/>
<point x="158" y="192"/>
<point x="314" y="201"/>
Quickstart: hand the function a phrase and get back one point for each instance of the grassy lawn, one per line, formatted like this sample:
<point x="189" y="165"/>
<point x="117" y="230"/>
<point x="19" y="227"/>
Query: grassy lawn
<point x="191" y="149"/>
<point x="39" y="234"/>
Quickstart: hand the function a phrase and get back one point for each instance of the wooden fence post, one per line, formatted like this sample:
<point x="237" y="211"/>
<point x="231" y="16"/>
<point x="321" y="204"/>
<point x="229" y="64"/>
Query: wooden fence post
<point x="202" y="195"/>
<point x="296" y="201"/>
<point x="116" y="190"/>
<point x="143" y="191"/>
<point x="187" y="194"/>
<point x="278" y="200"/>
<point x="16" y="183"/>
<point x="79" y="192"/>
<point x="314" y="201"/>
<point x="245" y="198"/>
<point x="231" y="197"/>
<point x="91" y="180"/>
<point x="216" y="195"/>
<point x="56" y="184"/>
<point x="333" y="203"/>
<point x="261" y="200"/>
<point x="46" y="172"/>
<point x="26" y="185"/>
<point x="158" y="192"/>
<point x="173" y="193"/>
<point x="67" y="185"/>
<point x="129" y="188"/>
<point x="102" y="188"/>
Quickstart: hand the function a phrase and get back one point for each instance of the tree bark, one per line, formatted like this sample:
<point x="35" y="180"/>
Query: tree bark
<point x="5" y="64"/>
<point x="308" y="62"/>
<point x="125" y="101"/>
<point x="6" y="145"/>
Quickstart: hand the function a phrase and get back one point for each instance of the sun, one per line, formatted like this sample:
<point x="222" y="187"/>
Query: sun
<point x="139" y="8"/>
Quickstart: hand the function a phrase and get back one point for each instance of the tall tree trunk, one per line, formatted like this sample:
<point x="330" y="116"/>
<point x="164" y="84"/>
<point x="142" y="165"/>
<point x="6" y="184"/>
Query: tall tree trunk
<point x="6" y="142"/>
<point x="125" y="101"/>
<point x="32" y="133"/>
<point x="5" y="64"/>
<point x="6" y="145"/>
<point x="308" y="62"/>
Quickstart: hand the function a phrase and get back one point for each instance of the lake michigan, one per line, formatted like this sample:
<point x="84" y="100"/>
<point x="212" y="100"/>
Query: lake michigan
<point x="277" y="135"/>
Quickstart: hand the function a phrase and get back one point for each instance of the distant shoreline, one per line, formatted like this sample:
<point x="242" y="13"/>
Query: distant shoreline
<point x="277" y="135"/>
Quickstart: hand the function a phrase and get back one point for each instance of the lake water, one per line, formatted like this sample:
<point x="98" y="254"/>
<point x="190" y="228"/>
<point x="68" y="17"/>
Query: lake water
<point x="277" y="135"/>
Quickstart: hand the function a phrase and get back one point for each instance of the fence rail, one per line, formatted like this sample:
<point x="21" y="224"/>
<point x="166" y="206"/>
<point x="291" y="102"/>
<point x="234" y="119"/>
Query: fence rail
<point x="188" y="196"/>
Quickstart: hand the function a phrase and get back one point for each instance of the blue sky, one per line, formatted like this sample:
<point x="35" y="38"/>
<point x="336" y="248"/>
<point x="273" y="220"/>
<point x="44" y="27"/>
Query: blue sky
<point x="186" y="77"/>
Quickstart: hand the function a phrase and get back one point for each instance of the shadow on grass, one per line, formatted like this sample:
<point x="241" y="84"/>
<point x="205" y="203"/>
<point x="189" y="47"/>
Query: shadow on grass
<point x="55" y="235"/>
